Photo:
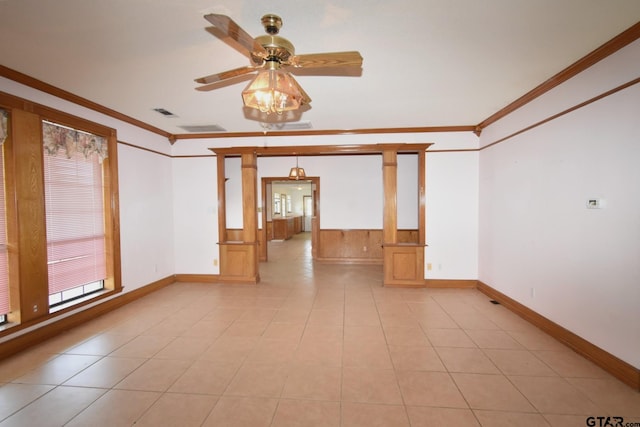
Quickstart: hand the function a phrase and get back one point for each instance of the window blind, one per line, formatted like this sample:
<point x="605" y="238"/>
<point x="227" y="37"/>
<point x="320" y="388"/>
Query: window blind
<point x="4" y="269"/>
<point x="74" y="218"/>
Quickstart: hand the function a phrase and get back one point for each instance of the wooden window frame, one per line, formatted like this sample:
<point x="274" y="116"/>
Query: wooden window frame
<point x="24" y="183"/>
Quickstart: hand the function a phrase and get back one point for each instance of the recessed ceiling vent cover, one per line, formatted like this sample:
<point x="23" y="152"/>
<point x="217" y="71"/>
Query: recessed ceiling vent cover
<point x="164" y="112"/>
<point x="302" y="125"/>
<point x="202" y="128"/>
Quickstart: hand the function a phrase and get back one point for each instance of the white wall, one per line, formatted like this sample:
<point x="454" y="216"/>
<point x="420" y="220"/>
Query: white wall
<point x="195" y="207"/>
<point x="539" y="244"/>
<point x="146" y="213"/>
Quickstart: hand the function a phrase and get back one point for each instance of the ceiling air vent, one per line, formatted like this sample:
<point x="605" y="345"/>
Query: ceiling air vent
<point x="164" y="112"/>
<point x="302" y="125"/>
<point x="203" y="128"/>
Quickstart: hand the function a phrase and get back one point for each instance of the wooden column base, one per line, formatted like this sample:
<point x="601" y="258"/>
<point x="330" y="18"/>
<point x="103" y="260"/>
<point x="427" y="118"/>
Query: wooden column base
<point x="403" y="265"/>
<point x="239" y="262"/>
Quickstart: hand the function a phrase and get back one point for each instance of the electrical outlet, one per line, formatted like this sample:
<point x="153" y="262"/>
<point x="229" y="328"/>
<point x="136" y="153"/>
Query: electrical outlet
<point x="533" y="292"/>
<point x="35" y="308"/>
<point x="215" y="262"/>
<point x="429" y="266"/>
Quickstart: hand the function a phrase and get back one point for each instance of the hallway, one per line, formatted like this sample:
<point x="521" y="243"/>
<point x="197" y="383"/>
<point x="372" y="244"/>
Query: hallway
<point x="311" y="345"/>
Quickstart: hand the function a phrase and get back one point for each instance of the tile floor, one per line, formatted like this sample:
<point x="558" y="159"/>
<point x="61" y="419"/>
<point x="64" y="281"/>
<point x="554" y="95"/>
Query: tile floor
<point x="311" y="345"/>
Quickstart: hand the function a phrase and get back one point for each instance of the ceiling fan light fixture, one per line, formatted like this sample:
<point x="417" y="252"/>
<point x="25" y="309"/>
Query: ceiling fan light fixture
<point x="274" y="91"/>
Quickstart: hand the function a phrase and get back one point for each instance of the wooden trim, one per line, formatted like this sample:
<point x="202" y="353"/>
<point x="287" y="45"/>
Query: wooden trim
<point x="450" y="283"/>
<point x="44" y="332"/>
<point x="332" y="260"/>
<point x="567" y="111"/>
<point x="200" y="278"/>
<point x="156" y="152"/>
<point x="621" y="40"/>
<point x="327" y="132"/>
<point x="610" y="363"/>
<point x="315" y="150"/>
<point x="68" y="96"/>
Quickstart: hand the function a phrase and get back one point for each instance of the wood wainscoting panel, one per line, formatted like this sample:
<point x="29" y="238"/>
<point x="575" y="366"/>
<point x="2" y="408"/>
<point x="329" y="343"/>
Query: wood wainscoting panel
<point x="357" y="246"/>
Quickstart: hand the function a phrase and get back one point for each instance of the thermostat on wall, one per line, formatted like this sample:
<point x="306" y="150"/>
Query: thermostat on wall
<point x="595" y="203"/>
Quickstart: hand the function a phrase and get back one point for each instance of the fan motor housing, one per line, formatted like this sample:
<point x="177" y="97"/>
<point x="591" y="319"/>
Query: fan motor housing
<point x="277" y="47"/>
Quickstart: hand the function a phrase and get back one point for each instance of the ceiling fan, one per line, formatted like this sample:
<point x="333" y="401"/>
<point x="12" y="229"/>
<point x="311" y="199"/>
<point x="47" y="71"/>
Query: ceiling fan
<point x="273" y="89"/>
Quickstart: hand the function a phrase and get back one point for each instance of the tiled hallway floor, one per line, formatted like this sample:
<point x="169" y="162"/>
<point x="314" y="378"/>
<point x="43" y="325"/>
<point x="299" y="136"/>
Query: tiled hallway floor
<point x="311" y="345"/>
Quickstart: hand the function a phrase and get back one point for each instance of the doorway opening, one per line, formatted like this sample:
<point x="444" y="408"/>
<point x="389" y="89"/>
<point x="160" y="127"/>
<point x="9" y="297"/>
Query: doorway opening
<point x="290" y="212"/>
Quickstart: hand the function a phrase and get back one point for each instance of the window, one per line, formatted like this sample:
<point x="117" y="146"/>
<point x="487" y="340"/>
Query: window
<point x="4" y="270"/>
<point x="74" y="206"/>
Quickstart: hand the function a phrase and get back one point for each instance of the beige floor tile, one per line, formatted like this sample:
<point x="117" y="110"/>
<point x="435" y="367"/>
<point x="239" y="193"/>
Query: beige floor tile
<point x="449" y="338"/>
<point x="362" y="317"/>
<point x="570" y="364"/>
<point x="362" y="334"/>
<point x="101" y="345"/>
<point x="535" y="339"/>
<point x="366" y="354"/>
<point x="58" y="370"/>
<point x="424" y="388"/>
<point x="405" y="336"/>
<point x="258" y="315"/>
<point x="15" y="396"/>
<point x="369" y="415"/>
<point x="245" y="329"/>
<point x="115" y="408"/>
<point x="473" y="320"/>
<point x="304" y="413"/>
<point x="437" y="321"/>
<point x="292" y="315"/>
<point x="143" y="346"/>
<point x="472" y="360"/>
<point x="319" y="352"/>
<point x="178" y="410"/>
<point x="327" y="316"/>
<point x="415" y="358"/>
<point x="154" y="375"/>
<point x="284" y="331"/>
<point x="556" y="420"/>
<point x="509" y="419"/>
<point x="205" y="377"/>
<point x="230" y="350"/>
<point x="611" y="395"/>
<point x="54" y="408"/>
<point x="258" y="380"/>
<point x="519" y="362"/>
<point x="368" y="385"/>
<point x="492" y="392"/>
<point x="242" y="412"/>
<point x="105" y="373"/>
<point x="436" y="417"/>
<point x="207" y="329"/>
<point x="313" y="382"/>
<point x="21" y="363"/>
<point x="273" y="351"/>
<point x="554" y="395"/>
<point x="185" y="348"/>
<point x="322" y="332"/>
<point x="493" y="339"/>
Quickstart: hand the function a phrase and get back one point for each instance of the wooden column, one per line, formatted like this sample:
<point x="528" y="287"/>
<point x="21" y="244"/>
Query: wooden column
<point x="403" y="263"/>
<point x="239" y="260"/>
<point x="390" y="186"/>
<point x="222" y="199"/>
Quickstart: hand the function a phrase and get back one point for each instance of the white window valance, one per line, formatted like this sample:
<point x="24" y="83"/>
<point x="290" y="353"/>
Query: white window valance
<point x="59" y="139"/>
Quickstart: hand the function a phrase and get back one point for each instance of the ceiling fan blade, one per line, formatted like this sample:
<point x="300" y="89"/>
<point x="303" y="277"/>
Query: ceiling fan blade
<point x="232" y="30"/>
<point x="329" y="59"/>
<point x="227" y="74"/>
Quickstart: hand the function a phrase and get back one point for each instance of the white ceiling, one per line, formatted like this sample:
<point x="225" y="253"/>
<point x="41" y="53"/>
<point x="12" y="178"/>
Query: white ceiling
<point x="426" y="62"/>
